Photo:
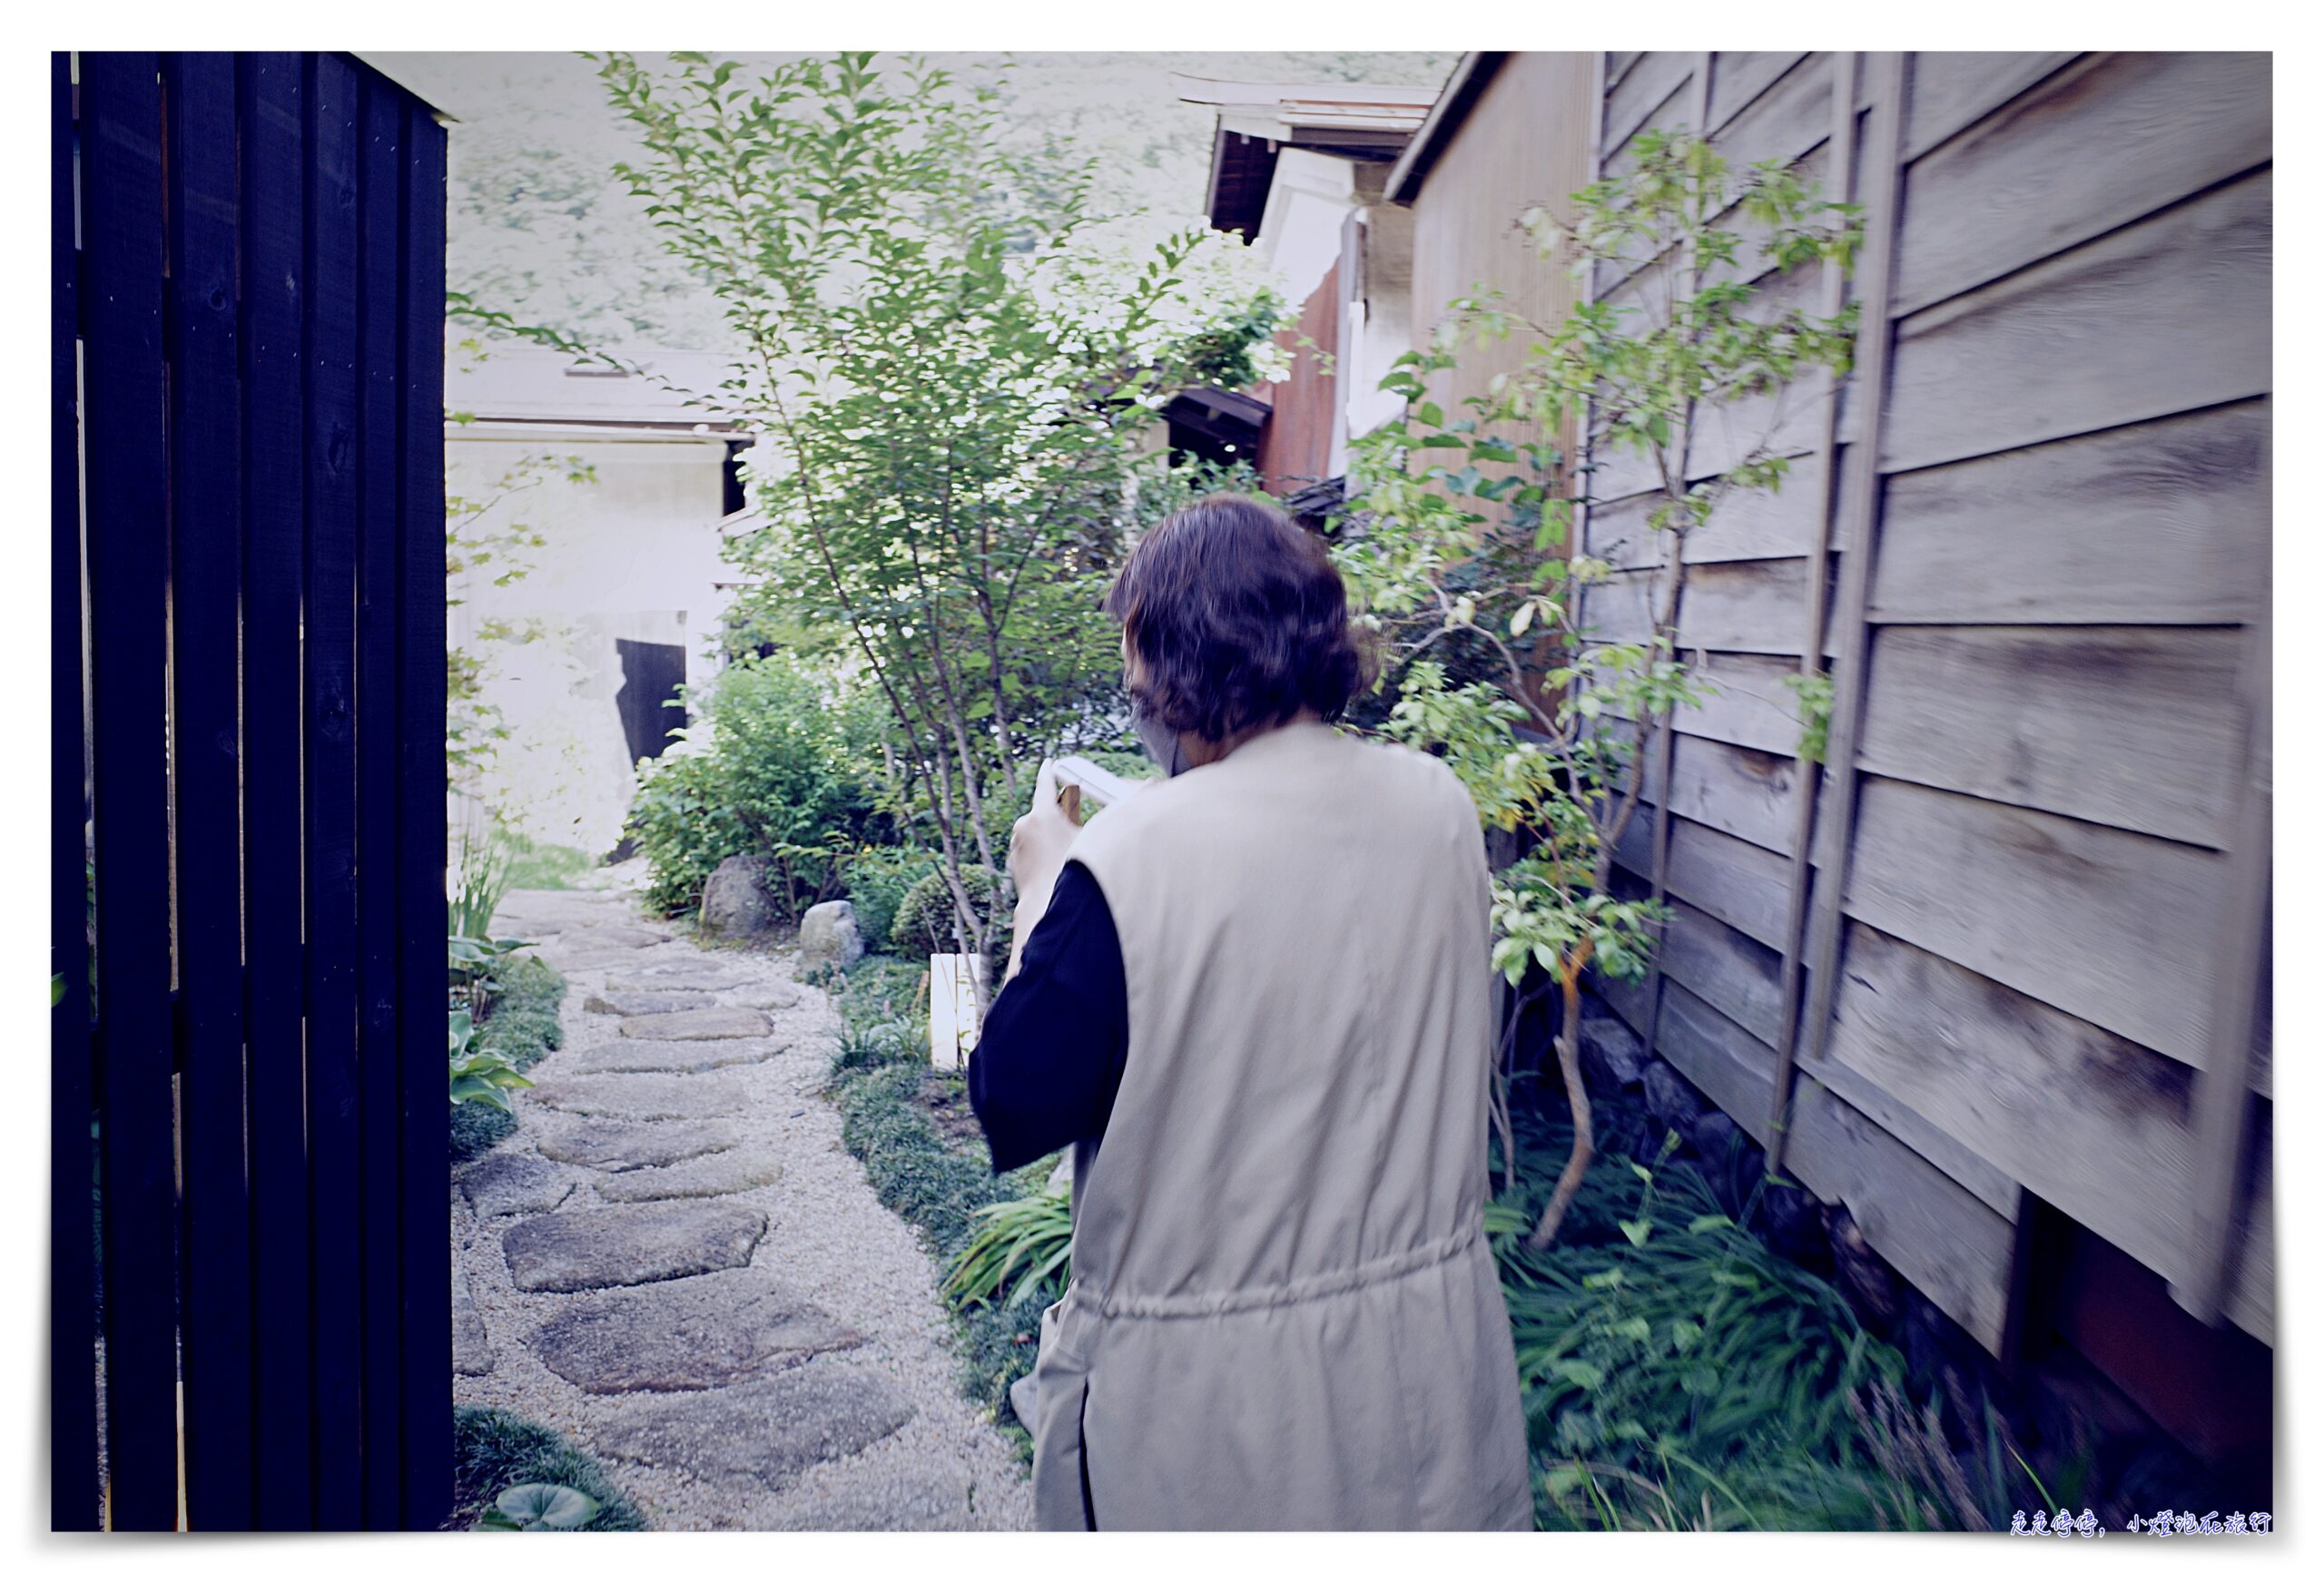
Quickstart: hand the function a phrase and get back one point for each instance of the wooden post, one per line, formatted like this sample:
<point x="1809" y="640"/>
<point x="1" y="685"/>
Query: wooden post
<point x="1810" y="777"/>
<point x="205" y="577"/>
<point x="128" y="515"/>
<point x="1859" y="514"/>
<point x="2223" y="1099"/>
<point x="1665" y="740"/>
<point x="74" y="1495"/>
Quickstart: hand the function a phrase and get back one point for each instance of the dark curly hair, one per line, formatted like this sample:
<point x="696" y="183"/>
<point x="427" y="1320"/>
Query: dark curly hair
<point x="1238" y="618"/>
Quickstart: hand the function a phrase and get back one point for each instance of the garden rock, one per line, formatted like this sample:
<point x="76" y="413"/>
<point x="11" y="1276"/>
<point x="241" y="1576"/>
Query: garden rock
<point x="666" y="1055"/>
<point x="768" y="1429"/>
<point x="1796" y="1226"/>
<point x="620" y="1145"/>
<point x="502" y="1183"/>
<point x="1713" y="1135"/>
<point x="709" y="1022"/>
<point x="1863" y="1273"/>
<point x="646" y="1002"/>
<point x="773" y="998"/>
<point x="1022" y="1395"/>
<point x="736" y="901"/>
<point x="1670" y="1098"/>
<point x="711" y="1176"/>
<point x="687" y="1336"/>
<point x="471" y="1348"/>
<point x="1612" y="1055"/>
<point x="576" y="1250"/>
<point x="828" y="937"/>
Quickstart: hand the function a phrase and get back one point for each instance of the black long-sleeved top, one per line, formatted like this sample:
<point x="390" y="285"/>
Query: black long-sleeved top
<point x="1048" y="1060"/>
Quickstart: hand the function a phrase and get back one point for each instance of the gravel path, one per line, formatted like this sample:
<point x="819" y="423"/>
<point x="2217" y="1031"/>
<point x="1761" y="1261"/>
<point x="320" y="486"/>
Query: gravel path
<point x="675" y="1263"/>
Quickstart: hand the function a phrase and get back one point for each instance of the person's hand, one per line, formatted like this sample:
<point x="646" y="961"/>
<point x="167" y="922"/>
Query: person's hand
<point x="1036" y="849"/>
<point x="1038" y="843"/>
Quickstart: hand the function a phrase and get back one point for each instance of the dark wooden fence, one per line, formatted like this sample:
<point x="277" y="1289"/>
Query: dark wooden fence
<point x="249" y="260"/>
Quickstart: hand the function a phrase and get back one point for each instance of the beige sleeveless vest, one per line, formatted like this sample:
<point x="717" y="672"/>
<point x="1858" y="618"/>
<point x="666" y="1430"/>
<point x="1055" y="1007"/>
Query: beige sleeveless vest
<point x="1284" y="1313"/>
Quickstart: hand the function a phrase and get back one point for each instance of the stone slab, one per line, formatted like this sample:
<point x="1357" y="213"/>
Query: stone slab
<point x="696" y="974"/>
<point x="687" y="1336"/>
<point x="628" y="936"/>
<point x="545" y="912"/>
<point x="711" y="1022"/>
<point x="580" y="1250"/>
<point x="504" y="1183"/>
<point x="644" y="1097"/>
<point x="711" y="1176"/>
<point x="765" y="998"/>
<point x="472" y="1347"/>
<point x="767" y="1429"/>
<point x="646" y="1002"/>
<point x="624" y="1054"/>
<point x="626" y="1146"/>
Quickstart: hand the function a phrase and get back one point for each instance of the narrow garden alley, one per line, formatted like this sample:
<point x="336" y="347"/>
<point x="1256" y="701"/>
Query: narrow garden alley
<point x="672" y="1260"/>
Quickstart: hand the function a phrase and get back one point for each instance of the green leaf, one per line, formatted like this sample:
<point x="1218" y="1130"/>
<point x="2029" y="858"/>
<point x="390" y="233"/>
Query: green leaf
<point x="1637" y="1231"/>
<point x="545" y="1506"/>
<point x="1589" y="1376"/>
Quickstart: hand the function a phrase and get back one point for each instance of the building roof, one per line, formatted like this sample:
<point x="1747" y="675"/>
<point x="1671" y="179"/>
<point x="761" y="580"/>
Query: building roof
<point x="531" y="384"/>
<point x="1358" y="121"/>
<point x="1444" y="117"/>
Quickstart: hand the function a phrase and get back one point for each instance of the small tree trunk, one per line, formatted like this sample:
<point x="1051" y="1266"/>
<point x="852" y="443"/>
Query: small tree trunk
<point x="1585" y="1143"/>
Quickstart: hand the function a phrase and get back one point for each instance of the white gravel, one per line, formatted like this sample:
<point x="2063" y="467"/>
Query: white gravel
<point x="829" y="1236"/>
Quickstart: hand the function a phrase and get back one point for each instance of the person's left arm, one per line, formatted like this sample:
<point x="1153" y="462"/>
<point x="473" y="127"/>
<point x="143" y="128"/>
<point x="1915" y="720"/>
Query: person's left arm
<point x="1049" y="1059"/>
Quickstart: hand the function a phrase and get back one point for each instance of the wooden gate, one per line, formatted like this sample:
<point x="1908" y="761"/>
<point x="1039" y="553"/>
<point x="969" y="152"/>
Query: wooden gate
<point x="248" y="1152"/>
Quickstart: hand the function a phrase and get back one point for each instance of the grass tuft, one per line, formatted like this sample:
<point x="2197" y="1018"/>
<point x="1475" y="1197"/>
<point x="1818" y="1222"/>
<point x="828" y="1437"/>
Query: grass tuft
<point x="493" y="1449"/>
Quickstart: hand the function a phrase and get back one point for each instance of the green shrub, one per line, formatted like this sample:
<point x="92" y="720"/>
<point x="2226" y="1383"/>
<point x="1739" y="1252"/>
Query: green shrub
<point x="786" y="756"/>
<point x="493" y="1449"/>
<point x="924" y="922"/>
<point x="877" y="879"/>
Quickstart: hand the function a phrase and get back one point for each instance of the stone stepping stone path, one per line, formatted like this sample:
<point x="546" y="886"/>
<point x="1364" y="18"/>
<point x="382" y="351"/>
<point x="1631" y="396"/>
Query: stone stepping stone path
<point x="675" y="1263"/>
<point x="644" y="1096"/>
<point x="710" y="1022"/>
<point x="587" y="1250"/>
<point x="688" y="1335"/>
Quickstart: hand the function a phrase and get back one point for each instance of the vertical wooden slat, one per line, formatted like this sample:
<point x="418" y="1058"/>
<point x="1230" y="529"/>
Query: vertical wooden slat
<point x="379" y="479"/>
<point x="72" y="1272"/>
<point x="1666" y="741"/>
<point x="1885" y="86"/>
<point x="206" y="572"/>
<point x="1840" y="177"/>
<point x="121" y="106"/>
<point x="329" y="301"/>
<point x="272" y="184"/>
<point x="419" y="845"/>
<point x="2223" y="1098"/>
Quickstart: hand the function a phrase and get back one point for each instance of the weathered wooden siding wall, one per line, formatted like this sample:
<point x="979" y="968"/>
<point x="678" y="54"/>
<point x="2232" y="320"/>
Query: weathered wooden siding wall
<point x="1526" y="141"/>
<point x="2034" y="542"/>
<point x="1295" y="447"/>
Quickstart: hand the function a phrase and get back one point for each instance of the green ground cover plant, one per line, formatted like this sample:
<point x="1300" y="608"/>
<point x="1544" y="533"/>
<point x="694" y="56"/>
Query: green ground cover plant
<point x="911" y="1127"/>
<point x="495" y="1450"/>
<point x="522" y="1026"/>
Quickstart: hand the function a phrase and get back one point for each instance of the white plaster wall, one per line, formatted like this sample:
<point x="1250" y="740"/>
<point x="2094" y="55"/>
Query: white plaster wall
<point x="633" y="554"/>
